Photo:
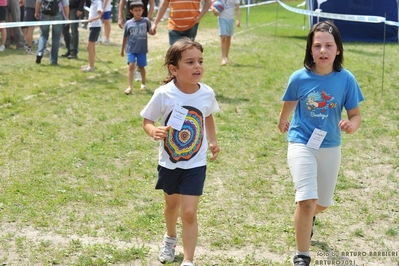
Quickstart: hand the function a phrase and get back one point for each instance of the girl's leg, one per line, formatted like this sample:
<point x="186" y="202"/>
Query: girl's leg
<point x="303" y="218"/>
<point x="107" y="28"/>
<point x="91" y="49"/>
<point x="228" y="42"/>
<point x="171" y="212"/>
<point x="189" y="206"/>
<point x="223" y="46"/>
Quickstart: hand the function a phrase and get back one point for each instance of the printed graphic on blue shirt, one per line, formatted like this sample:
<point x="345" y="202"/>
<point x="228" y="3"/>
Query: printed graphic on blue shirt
<point x="184" y="144"/>
<point x="319" y="103"/>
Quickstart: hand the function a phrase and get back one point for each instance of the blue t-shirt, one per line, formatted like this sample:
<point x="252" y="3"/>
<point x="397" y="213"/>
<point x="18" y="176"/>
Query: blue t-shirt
<point x="136" y="32"/>
<point x="321" y="100"/>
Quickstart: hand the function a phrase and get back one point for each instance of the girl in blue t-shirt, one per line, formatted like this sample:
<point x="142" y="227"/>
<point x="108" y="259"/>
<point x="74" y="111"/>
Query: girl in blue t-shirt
<point x="317" y="94"/>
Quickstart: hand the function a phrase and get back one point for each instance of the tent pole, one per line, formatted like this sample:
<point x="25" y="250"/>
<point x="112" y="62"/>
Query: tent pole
<point x="275" y="28"/>
<point x="383" y="58"/>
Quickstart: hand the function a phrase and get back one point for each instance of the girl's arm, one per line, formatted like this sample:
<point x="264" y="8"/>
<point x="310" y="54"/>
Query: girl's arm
<point x="353" y="123"/>
<point x="238" y="21"/>
<point x="157" y="133"/>
<point x="211" y="135"/>
<point x="286" y="110"/>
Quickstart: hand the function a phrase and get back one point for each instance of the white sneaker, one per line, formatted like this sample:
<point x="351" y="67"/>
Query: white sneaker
<point x="167" y="253"/>
<point x="137" y="75"/>
<point x="105" y="40"/>
<point x="28" y="50"/>
<point x="187" y="263"/>
<point x="2" y="48"/>
<point x="143" y="87"/>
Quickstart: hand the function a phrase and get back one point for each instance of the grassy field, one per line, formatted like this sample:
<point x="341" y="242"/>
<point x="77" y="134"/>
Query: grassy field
<point x="77" y="172"/>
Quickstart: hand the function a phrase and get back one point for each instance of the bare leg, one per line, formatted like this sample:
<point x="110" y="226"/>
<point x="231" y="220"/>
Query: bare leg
<point x="189" y="205"/>
<point x="107" y="28"/>
<point x="223" y="46"/>
<point x="305" y="210"/>
<point x="130" y="74"/>
<point x="91" y="48"/>
<point x="228" y="42"/>
<point x="171" y="212"/>
<point x="142" y="73"/>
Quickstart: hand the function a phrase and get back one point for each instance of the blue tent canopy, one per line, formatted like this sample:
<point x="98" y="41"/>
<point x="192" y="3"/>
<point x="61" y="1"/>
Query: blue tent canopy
<point x="360" y="31"/>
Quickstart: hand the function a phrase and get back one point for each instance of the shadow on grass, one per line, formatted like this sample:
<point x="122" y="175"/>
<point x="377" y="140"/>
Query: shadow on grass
<point x="225" y="99"/>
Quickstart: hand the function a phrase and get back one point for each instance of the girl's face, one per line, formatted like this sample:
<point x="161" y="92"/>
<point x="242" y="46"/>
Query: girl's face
<point x="189" y="70"/>
<point x="324" y="51"/>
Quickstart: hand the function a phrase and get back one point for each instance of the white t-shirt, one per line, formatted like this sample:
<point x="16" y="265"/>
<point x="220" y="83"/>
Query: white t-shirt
<point x="188" y="147"/>
<point x="229" y="8"/>
<point x="95" y="7"/>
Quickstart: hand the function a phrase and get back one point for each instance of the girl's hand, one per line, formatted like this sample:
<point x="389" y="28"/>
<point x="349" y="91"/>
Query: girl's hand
<point x="346" y="125"/>
<point x="214" y="147"/>
<point x="160" y="133"/>
<point x="283" y="125"/>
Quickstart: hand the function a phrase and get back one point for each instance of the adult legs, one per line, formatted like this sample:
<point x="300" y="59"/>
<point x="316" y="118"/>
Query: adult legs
<point x="74" y="45"/>
<point x="55" y="37"/>
<point x="44" y="33"/>
<point x="67" y="39"/>
<point x="15" y="13"/>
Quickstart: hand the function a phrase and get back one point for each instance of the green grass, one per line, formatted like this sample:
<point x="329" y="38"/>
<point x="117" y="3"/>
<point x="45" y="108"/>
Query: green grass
<point x="77" y="172"/>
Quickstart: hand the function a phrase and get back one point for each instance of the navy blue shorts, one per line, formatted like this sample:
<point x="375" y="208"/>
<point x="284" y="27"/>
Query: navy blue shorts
<point x="94" y="33"/>
<point x="181" y="181"/>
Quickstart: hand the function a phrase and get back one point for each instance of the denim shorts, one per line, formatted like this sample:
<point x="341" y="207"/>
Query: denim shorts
<point x="175" y="35"/>
<point x="181" y="181"/>
<point x="141" y="59"/>
<point x="314" y="172"/>
<point x="226" y="27"/>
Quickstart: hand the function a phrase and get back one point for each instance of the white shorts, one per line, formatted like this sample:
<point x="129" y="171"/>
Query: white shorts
<point x="314" y="172"/>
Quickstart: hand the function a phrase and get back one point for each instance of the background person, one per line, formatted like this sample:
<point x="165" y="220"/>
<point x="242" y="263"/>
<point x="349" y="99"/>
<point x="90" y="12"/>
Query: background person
<point x="71" y="31"/>
<point x="184" y="17"/>
<point x="226" y="25"/>
<point x="63" y="14"/>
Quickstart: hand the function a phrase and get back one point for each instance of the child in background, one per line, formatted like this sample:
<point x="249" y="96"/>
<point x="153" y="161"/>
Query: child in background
<point x="3" y="15"/>
<point x="318" y="93"/>
<point x="96" y="10"/>
<point x="106" y="19"/>
<point x="136" y="44"/>
<point x="226" y="25"/>
<point x="183" y="142"/>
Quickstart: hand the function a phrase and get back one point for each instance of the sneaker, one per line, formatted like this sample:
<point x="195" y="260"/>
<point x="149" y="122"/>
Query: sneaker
<point x="105" y="41"/>
<point x="137" y="75"/>
<point x="128" y="91"/>
<point x="143" y="87"/>
<point x="28" y="50"/>
<point x="72" y="56"/>
<point x="38" y="59"/>
<point x="300" y="260"/>
<point x="66" y="54"/>
<point x="2" y="48"/>
<point x="88" y="69"/>
<point x="311" y="233"/>
<point x="167" y="253"/>
<point x="187" y="263"/>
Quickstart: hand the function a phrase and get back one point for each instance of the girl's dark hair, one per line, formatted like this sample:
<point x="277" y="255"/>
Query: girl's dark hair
<point x="173" y="55"/>
<point x="324" y="26"/>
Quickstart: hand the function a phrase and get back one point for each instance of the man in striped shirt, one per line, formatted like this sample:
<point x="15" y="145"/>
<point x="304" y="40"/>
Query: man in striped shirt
<point x="184" y="17"/>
